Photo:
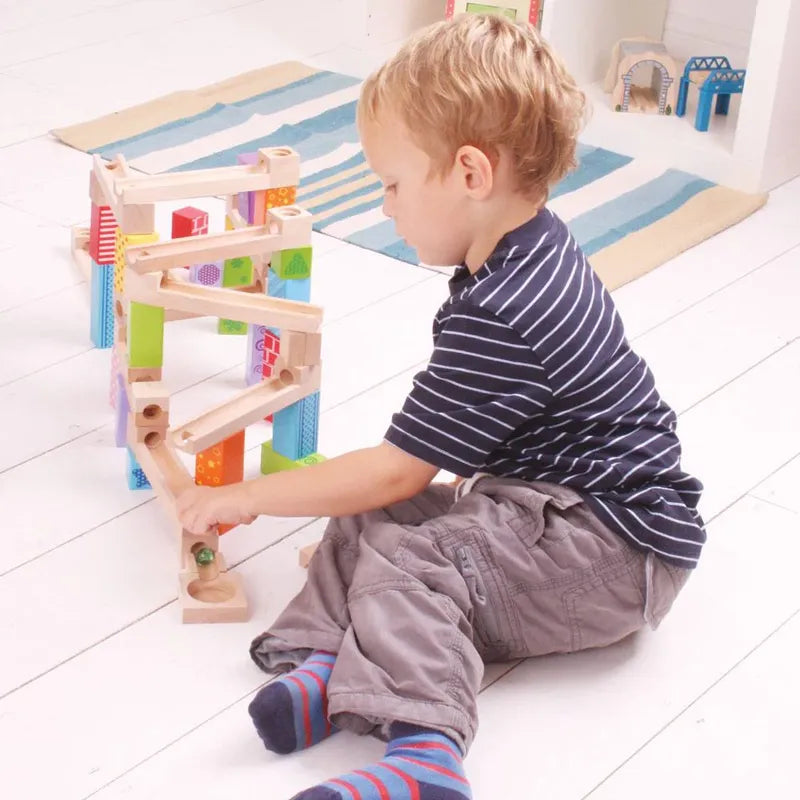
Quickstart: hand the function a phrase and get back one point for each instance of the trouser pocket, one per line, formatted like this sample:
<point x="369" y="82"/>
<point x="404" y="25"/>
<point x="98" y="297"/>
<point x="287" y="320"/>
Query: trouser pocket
<point x="495" y="629"/>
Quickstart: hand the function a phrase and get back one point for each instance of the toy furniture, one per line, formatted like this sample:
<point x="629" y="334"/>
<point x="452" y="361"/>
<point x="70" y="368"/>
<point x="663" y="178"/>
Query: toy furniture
<point x="718" y="78"/>
<point x="529" y="10"/>
<point x="139" y="284"/>
<point x="632" y="59"/>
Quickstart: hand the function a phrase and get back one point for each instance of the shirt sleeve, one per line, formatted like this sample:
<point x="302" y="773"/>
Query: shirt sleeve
<point x="482" y="383"/>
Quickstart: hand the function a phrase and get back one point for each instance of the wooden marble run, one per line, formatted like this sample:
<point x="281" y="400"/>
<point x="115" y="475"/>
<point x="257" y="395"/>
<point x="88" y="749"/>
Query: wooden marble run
<point x="139" y="283"/>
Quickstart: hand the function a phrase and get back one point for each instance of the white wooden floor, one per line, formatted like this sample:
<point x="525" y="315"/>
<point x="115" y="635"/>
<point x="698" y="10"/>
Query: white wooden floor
<point x="104" y="694"/>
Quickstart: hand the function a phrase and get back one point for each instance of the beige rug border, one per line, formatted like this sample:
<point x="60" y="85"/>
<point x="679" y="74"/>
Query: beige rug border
<point x="178" y="105"/>
<point x="706" y="214"/>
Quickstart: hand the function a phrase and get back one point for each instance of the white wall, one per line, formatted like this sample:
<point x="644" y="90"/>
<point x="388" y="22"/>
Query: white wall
<point x="769" y="119"/>
<point x="710" y="28"/>
<point x="389" y="20"/>
<point x="583" y="32"/>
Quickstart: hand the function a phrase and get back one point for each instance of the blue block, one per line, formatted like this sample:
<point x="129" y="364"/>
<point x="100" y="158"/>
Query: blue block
<point x="295" y="429"/>
<point x="102" y="305"/>
<point x="291" y="289"/>
<point x="136" y="477"/>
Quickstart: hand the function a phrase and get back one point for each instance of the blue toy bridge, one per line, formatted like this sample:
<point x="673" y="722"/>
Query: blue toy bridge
<point x="722" y="81"/>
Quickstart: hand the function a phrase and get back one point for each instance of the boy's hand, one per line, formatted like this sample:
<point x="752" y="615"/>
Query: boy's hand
<point x="202" y="507"/>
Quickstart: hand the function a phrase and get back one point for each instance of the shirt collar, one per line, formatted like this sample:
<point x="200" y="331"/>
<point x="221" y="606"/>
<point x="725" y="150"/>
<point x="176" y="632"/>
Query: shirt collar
<point x="524" y="238"/>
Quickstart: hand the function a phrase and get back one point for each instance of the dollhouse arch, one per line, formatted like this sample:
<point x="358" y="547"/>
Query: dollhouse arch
<point x="665" y="81"/>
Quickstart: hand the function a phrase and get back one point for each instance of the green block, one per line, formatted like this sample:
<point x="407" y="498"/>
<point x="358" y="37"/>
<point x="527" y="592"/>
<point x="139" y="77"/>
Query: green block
<point x="295" y="263"/>
<point x="484" y="8"/>
<point x="237" y="272"/>
<point x="275" y="462"/>
<point x="230" y="327"/>
<point x="145" y="335"/>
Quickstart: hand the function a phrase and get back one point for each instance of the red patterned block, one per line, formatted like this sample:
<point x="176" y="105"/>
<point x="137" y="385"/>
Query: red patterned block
<point x="102" y="235"/>
<point x="272" y="349"/>
<point x="189" y="221"/>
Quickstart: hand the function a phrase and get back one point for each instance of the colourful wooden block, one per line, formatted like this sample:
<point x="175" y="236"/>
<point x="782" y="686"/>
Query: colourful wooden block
<point x="281" y="196"/>
<point x="294" y="430"/>
<point x="293" y="264"/>
<point x="121" y="411"/>
<point x="231" y="327"/>
<point x="189" y="221"/>
<point x="237" y="272"/>
<point x="270" y="352"/>
<point x="207" y="274"/>
<point x="275" y="462"/>
<point x="246" y="200"/>
<point x="259" y="208"/>
<point x="136" y="477"/>
<point x="122" y="242"/>
<point x="101" y="328"/>
<point x="293" y="289"/>
<point x="255" y="354"/>
<point x="116" y="369"/>
<point x="221" y="464"/>
<point x="102" y="235"/>
<point x="245" y="206"/>
<point x="145" y="335"/>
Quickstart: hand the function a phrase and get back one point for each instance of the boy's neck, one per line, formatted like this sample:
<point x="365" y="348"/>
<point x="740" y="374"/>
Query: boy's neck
<point x="497" y="218"/>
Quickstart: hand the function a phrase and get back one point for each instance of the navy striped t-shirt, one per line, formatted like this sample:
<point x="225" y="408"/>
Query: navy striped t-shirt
<point x="532" y="377"/>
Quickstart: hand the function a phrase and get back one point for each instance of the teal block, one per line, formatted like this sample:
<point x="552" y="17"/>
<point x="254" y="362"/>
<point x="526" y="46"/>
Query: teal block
<point x="101" y="327"/>
<point x="291" y="289"/>
<point x="136" y="477"/>
<point x="295" y="429"/>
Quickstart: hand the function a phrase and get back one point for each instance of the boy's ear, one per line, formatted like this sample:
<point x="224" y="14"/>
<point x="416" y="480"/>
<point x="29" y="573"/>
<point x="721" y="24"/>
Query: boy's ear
<point x="475" y="170"/>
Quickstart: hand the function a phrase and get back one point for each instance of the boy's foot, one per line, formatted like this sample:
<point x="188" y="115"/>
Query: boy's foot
<point x="419" y="764"/>
<point x="291" y="713"/>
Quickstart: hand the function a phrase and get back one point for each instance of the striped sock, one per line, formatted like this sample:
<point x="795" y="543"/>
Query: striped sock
<point x="419" y="764"/>
<point x="291" y="713"/>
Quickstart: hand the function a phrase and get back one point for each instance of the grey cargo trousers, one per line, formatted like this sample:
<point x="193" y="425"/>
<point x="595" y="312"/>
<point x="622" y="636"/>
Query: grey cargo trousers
<point x="415" y="598"/>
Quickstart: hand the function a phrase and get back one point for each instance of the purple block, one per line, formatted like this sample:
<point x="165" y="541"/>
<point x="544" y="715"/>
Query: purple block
<point x="246" y="200"/>
<point x="207" y="274"/>
<point x="254" y="366"/>
<point x="122" y="410"/>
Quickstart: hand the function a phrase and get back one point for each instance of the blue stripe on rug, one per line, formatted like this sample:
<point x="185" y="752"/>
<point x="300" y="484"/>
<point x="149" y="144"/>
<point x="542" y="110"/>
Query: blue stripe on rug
<point x="634" y="210"/>
<point x="331" y="128"/>
<point x="593" y="163"/>
<point x="329" y="172"/>
<point x="375" y="237"/>
<point x="223" y="116"/>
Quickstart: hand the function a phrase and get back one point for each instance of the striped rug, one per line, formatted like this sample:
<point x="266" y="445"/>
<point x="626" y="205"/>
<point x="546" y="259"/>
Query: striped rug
<point x="629" y="215"/>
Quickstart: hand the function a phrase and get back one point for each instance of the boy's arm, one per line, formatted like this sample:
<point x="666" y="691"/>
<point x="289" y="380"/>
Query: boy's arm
<point x="352" y="483"/>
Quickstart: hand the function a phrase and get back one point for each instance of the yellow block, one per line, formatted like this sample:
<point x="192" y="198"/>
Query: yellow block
<point x="123" y="241"/>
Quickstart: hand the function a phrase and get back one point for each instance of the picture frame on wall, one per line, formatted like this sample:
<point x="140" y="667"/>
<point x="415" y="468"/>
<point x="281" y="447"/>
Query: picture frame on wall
<point x="530" y="10"/>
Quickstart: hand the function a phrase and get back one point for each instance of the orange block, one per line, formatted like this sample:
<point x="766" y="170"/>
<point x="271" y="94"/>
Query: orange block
<point x="221" y="465"/>
<point x="284" y="196"/>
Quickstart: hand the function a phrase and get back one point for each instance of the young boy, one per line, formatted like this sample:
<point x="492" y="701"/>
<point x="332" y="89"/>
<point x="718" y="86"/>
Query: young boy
<point x="574" y="525"/>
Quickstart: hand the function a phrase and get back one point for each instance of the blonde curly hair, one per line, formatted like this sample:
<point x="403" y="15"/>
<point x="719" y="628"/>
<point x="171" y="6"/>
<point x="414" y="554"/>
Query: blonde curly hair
<point x="485" y="81"/>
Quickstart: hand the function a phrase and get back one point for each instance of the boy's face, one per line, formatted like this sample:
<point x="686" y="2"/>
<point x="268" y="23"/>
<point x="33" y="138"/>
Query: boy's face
<point x="430" y="212"/>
